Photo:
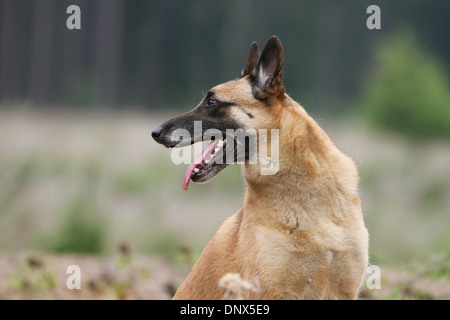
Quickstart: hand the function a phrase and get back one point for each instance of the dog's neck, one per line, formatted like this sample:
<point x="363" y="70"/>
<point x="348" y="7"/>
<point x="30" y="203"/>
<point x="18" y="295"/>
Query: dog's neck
<point x="306" y="175"/>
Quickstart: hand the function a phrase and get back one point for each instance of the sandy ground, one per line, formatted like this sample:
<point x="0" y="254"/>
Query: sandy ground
<point x="124" y="276"/>
<point x="402" y="285"/>
<point x="31" y="276"/>
<point x="52" y="161"/>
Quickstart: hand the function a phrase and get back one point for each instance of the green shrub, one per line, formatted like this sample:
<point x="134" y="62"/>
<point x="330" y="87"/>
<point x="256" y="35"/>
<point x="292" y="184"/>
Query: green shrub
<point x="81" y="231"/>
<point x="409" y="91"/>
<point x="81" y="91"/>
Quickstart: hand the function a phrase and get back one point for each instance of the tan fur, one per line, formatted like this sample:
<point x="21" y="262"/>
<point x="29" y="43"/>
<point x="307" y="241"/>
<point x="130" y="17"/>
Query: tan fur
<point x="301" y="231"/>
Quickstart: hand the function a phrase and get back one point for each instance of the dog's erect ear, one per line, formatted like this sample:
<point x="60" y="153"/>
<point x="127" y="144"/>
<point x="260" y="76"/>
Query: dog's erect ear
<point x="268" y="74"/>
<point x="252" y="60"/>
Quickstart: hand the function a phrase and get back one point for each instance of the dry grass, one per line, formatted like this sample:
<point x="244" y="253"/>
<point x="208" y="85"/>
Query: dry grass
<point x="86" y="182"/>
<point x="37" y="276"/>
<point x="131" y="276"/>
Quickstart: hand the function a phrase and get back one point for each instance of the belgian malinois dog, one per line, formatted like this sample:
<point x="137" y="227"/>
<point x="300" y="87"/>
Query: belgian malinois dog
<point x="300" y="231"/>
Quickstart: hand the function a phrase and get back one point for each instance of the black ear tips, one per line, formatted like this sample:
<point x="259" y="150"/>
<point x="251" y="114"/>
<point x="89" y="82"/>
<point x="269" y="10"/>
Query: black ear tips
<point x="268" y="73"/>
<point x="272" y="58"/>
<point x="274" y="44"/>
<point x="254" y="51"/>
<point x="274" y="39"/>
<point x="254" y="46"/>
<point x="252" y="59"/>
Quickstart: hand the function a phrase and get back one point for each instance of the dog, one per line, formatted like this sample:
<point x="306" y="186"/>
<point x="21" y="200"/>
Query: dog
<point x="300" y="231"/>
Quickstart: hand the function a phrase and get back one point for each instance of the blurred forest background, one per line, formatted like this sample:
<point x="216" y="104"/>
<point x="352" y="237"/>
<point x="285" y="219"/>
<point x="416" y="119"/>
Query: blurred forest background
<point x="160" y="54"/>
<point x="79" y="172"/>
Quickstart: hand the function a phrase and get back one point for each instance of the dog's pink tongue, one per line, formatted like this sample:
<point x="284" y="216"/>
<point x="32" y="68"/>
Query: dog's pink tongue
<point x="197" y="162"/>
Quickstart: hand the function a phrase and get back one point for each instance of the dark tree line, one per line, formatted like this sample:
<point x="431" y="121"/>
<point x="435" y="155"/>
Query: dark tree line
<point x="156" y="53"/>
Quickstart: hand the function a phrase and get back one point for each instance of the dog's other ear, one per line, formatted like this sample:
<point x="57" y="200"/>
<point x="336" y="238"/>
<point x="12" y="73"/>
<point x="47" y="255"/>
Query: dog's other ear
<point x="252" y="60"/>
<point x="268" y="74"/>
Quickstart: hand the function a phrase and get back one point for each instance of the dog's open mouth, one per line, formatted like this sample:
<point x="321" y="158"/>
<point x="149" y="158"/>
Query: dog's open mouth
<point x="206" y="165"/>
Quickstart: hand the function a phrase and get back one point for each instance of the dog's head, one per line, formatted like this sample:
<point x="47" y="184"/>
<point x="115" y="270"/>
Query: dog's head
<point x="248" y="104"/>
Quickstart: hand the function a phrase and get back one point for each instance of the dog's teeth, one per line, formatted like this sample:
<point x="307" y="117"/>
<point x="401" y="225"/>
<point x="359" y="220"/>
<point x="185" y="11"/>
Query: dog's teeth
<point x="196" y="170"/>
<point x="209" y="159"/>
<point x="220" y="144"/>
<point x="216" y="149"/>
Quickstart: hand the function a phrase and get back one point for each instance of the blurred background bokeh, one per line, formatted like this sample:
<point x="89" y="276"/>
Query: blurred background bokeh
<point x="79" y="172"/>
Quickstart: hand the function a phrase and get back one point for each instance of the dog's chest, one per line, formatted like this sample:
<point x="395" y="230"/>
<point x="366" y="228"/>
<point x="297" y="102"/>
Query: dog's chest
<point x="291" y="261"/>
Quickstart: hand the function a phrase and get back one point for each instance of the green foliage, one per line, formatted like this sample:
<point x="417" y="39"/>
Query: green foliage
<point x="438" y="266"/>
<point x="81" y="92"/>
<point x="409" y="92"/>
<point x="163" y="242"/>
<point x="143" y="179"/>
<point x="32" y="276"/>
<point x="433" y="195"/>
<point x="406" y="292"/>
<point x="81" y="231"/>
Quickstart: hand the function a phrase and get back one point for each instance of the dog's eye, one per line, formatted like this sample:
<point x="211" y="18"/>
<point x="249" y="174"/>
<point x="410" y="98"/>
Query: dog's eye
<point x="210" y="102"/>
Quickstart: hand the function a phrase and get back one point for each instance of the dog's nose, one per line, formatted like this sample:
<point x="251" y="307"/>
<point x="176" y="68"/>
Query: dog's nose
<point x="156" y="133"/>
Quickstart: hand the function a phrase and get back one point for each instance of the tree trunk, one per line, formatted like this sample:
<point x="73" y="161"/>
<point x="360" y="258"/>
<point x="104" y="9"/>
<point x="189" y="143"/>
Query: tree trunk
<point x="41" y="50"/>
<point x="107" y="61"/>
